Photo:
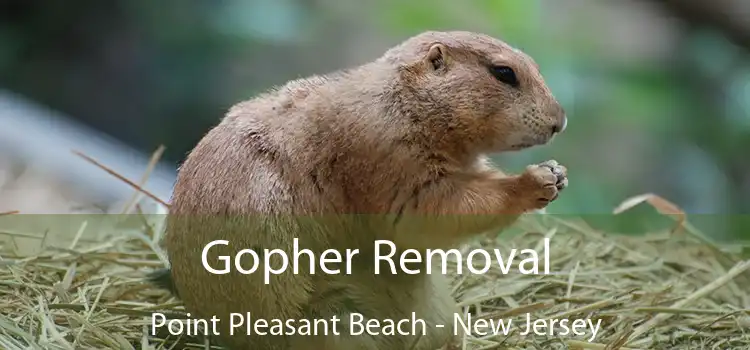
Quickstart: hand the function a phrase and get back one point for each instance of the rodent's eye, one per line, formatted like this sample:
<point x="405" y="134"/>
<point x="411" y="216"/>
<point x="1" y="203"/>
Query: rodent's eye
<point x="505" y="74"/>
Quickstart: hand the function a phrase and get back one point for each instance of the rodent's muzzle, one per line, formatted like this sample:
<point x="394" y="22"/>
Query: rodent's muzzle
<point x="545" y="138"/>
<point x="542" y="132"/>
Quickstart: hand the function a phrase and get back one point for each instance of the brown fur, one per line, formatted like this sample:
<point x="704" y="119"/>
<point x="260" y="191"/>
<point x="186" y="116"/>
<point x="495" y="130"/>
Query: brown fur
<point x="366" y="151"/>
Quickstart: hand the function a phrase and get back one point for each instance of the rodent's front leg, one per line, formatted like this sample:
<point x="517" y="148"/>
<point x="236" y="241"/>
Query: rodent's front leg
<point x="461" y="204"/>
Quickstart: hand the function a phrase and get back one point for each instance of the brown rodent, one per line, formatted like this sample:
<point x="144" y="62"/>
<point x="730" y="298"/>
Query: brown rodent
<point x="394" y="149"/>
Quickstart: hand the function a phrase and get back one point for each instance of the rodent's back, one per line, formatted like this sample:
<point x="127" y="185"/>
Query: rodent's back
<point x="304" y="148"/>
<point x="315" y="147"/>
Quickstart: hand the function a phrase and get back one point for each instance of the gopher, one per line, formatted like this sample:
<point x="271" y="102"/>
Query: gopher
<point x="395" y="149"/>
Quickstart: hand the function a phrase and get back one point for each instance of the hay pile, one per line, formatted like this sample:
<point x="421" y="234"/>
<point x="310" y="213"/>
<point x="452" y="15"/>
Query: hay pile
<point x="661" y="291"/>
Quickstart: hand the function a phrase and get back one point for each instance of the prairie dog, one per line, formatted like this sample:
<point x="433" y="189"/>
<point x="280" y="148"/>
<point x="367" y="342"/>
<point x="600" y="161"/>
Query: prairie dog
<point x="395" y="149"/>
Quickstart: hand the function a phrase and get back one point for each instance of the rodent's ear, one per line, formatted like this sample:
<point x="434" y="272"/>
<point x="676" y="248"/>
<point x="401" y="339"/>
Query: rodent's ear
<point x="436" y="56"/>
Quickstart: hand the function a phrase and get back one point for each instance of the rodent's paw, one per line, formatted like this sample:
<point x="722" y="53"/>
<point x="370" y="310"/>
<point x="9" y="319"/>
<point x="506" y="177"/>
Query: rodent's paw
<point x="543" y="183"/>
<point x="560" y="171"/>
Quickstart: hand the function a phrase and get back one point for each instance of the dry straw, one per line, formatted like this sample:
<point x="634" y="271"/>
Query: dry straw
<point x="662" y="290"/>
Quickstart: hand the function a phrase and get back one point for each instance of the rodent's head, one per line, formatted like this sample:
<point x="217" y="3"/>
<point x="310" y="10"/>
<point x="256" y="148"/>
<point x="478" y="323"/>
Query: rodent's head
<point x="489" y="94"/>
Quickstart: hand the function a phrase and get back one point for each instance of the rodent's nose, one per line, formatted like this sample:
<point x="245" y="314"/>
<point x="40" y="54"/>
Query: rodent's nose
<point x="560" y="127"/>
